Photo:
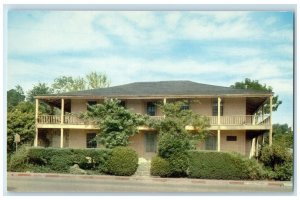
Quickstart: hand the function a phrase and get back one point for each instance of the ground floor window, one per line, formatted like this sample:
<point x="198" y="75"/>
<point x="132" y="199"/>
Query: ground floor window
<point x="150" y="142"/>
<point x="210" y="142"/>
<point x="90" y="140"/>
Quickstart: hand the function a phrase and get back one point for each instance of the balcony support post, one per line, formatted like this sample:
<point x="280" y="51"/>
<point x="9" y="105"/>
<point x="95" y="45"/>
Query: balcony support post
<point x="36" y="122"/>
<point x="219" y="122"/>
<point x="61" y="138"/>
<point x="271" y="128"/>
<point x="219" y="140"/>
<point x="62" y="111"/>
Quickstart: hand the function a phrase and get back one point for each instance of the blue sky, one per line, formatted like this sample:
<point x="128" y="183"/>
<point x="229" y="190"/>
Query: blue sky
<point x="216" y="48"/>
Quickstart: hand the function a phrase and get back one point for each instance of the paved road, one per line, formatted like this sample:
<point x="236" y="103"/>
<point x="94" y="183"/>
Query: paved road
<point x="68" y="184"/>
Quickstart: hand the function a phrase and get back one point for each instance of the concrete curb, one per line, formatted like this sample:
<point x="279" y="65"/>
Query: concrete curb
<point x="157" y="179"/>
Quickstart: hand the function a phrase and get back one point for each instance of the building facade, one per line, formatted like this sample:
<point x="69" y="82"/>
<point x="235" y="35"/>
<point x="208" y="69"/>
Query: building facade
<point x="236" y="116"/>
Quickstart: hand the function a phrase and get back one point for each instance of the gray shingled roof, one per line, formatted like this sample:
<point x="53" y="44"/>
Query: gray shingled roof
<point x="161" y="88"/>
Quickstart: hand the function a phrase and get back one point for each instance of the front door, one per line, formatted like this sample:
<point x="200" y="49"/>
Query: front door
<point x="150" y="142"/>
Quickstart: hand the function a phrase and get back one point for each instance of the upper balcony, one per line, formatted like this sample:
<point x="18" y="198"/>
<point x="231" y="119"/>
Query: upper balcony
<point x="234" y="122"/>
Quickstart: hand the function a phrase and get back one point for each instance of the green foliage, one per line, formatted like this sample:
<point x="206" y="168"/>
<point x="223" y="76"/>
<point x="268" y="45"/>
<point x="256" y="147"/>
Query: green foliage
<point x="15" y="96"/>
<point x="278" y="160"/>
<point x="160" y="167"/>
<point x="60" y="160"/>
<point x="283" y="135"/>
<point x="274" y="155"/>
<point x="122" y="162"/>
<point x="178" y="164"/>
<point x="39" y="89"/>
<point x="97" y="80"/>
<point x="116" y="123"/>
<point x="173" y="136"/>
<point x="92" y="80"/>
<point x="169" y="144"/>
<point x="18" y="160"/>
<point x="255" y="85"/>
<point x="21" y="120"/>
<point x="220" y="165"/>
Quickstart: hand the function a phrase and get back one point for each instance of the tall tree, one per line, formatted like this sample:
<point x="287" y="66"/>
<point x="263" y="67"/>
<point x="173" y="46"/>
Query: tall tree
<point x="91" y="81"/>
<point x="20" y="120"/>
<point x="283" y="135"/>
<point x="39" y="89"/>
<point x="15" y="96"/>
<point x="97" y="80"/>
<point x="255" y="85"/>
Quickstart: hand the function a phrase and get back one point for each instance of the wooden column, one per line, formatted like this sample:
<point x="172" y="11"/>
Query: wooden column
<point x="62" y="111"/>
<point x="219" y="122"/>
<point x="61" y="138"/>
<point x="165" y="101"/>
<point x="62" y="122"/>
<point x="271" y="128"/>
<point x="219" y="140"/>
<point x="36" y="122"/>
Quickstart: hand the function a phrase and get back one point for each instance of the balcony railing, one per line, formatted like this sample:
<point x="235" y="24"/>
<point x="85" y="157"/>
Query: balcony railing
<point x="240" y="120"/>
<point x="224" y="120"/>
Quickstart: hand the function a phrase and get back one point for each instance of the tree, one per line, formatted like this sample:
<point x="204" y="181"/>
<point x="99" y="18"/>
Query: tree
<point x="173" y="136"/>
<point x="15" y="96"/>
<point x="116" y="123"/>
<point x="68" y="84"/>
<point x="39" y="89"/>
<point x="255" y="85"/>
<point x="283" y="135"/>
<point x="95" y="80"/>
<point x="92" y="80"/>
<point x="21" y="120"/>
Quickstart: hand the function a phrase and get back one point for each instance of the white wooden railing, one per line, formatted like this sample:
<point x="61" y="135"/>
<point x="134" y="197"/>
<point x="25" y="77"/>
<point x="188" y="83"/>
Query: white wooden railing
<point x="224" y="120"/>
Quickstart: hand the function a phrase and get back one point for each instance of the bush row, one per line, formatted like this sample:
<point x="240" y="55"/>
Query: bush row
<point x="207" y="165"/>
<point x="118" y="161"/>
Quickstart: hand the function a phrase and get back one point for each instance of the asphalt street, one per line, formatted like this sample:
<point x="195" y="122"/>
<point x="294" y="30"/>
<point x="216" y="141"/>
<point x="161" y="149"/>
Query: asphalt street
<point x="17" y="184"/>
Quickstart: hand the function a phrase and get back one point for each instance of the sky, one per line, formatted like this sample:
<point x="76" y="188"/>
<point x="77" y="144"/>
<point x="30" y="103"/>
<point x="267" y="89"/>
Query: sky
<point x="218" y="48"/>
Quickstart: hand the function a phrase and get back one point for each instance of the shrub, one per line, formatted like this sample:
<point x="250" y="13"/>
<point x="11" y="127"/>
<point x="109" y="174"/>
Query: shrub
<point x="169" y="144"/>
<point x="60" y="160"/>
<point x="278" y="161"/>
<point x="274" y="155"/>
<point x="123" y="161"/>
<point x="18" y="160"/>
<point x="160" y="167"/>
<point x="178" y="164"/>
<point x="220" y="165"/>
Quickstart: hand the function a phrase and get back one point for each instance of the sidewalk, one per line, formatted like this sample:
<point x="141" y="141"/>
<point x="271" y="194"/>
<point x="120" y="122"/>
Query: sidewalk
<point x="158" y="179"/>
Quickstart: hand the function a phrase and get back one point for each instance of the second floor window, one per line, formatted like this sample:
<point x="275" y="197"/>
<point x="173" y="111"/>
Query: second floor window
<point x="151" y="108"/>
<point x="215" y="107"/>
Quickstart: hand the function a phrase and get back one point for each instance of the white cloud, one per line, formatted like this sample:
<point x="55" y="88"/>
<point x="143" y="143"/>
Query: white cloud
<point x="56" y="32"/>
<point x="270" y="20"/>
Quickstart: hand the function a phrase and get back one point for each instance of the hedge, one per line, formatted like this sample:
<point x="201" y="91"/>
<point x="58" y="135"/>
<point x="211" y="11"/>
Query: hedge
<point x="60" y="160"/>
<point x="221" y="165"/>
<point x="160" y="167"/>
<point x="122" y="162"/>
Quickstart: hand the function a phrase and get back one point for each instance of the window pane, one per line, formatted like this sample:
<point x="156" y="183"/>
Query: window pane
<point x="151" y="108"/>
<point x="90" y="140"/>
<point x="210" y="143"/>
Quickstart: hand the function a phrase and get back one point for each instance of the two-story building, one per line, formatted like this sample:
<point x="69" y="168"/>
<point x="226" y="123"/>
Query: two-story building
<point x="237" y="121"/>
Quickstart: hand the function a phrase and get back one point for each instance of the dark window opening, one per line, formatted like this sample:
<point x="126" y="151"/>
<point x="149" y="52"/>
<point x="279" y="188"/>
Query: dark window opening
<point x="185" y="107"/>
<point x="123" y="104"/>
<point x="91" y="140"/>
<point x="91" y="103"/>
<point x="151" y="108"/>
<point x="215" y="107"/>
<point x="231" y="138"/>
<point x="210" y="143"/>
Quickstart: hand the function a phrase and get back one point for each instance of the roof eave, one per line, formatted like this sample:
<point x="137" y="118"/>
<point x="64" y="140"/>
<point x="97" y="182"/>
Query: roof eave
<point x="150" y="96"/>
